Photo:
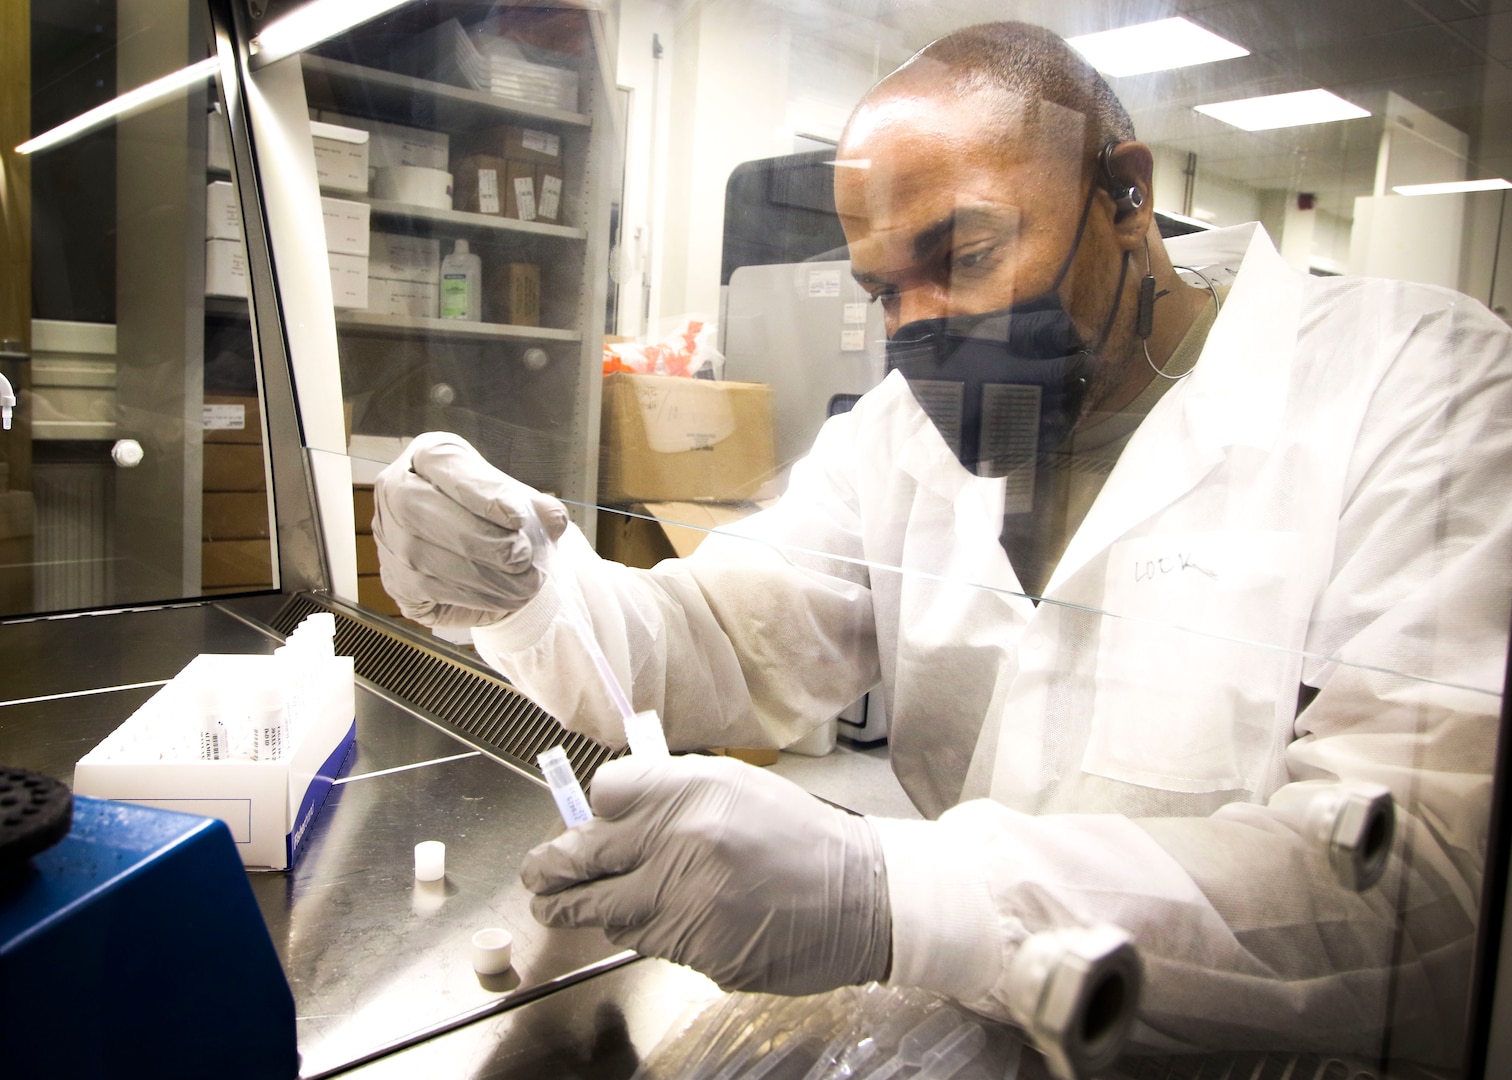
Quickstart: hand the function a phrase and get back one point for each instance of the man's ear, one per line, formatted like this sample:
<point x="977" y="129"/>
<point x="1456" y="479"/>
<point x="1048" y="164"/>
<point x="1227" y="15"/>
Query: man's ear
<point x="1127" y="175"/>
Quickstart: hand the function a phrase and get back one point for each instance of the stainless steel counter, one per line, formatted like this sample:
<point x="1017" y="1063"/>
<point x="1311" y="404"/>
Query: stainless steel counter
<point x="372" y="955"/>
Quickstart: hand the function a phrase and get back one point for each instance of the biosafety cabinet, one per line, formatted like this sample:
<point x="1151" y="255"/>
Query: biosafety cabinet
<point x="250" y="248"/>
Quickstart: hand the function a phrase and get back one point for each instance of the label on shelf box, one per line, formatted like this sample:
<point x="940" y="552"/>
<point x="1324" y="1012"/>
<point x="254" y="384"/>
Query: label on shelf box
<point x="551" y="196"/>
<point x="524" y="189"/>
<point x="542" y="142"/>
<point x="225" y="417"/>
<point x="488" y="191"/>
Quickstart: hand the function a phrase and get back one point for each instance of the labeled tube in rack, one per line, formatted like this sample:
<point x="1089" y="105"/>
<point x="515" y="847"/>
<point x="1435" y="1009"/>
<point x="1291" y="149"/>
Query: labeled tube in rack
<point x="572" y="804"/>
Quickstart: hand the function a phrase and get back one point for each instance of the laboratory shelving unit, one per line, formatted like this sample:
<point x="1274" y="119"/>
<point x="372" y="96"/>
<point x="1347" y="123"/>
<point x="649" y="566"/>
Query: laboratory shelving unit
<point x="402" y="375"/>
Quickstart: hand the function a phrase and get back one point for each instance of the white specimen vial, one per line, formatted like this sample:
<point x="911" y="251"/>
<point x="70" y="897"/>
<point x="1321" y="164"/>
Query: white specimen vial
<point x="643" y="731"/>
<point x="270" y="725"/>
<point x="215" y="744"/>
<point x="572" y="804"/>
<point x="492" y="951"/>
<point x="430" y="860"/>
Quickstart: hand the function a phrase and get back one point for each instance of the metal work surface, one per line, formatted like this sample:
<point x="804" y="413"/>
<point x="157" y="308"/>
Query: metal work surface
<point x="371" y="954"/>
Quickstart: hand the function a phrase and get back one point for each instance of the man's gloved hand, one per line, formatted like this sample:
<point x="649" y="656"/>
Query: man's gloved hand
<point x="459" y="542"/>
<point x="728" y="869"/>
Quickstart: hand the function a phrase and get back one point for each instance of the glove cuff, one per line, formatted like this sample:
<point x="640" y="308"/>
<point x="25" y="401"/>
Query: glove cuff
<point x="944" y="925"/>
<point x="524" y="628"/>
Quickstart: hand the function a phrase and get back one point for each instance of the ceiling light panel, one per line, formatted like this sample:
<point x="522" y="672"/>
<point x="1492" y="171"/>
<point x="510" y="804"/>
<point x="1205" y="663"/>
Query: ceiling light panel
<point x="1153" y="46"/>
<point x="1283" y="110"/>
<point x="1453" y="187"/>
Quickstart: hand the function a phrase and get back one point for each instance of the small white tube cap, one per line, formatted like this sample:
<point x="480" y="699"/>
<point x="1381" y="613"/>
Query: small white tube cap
<point x="643" y="732"/>
<point x="430" y="860"/>
<point x="492" y="951"/>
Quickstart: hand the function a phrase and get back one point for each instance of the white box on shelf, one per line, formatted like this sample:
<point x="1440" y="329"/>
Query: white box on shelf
<point x="268" y="805"/>
<point x="418" y="299"/>
<point x="349" y="281"/>
<point x="226" y="268"/>
<point x="217" y="142"/>
<point x="395" y="144"/>
<point x="341" y="157"/>
<point x="399" y="257"/>
<point x="222" y="214"/>
<point x="346" y="225"/>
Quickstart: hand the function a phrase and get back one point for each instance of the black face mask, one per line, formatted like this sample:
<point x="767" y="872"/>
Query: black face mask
<point x="1006" y="386"/>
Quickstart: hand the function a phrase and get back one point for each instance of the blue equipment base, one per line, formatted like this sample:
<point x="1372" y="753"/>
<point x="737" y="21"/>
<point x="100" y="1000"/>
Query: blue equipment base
<point x="134" y="948"/>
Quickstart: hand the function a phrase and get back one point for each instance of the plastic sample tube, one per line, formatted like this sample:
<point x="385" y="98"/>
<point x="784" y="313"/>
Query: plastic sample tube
<point x="214" y="744"/>
<point x="643" y="732"/>
<point x="270" y="725"/>
<point x="572" y="804"/>
<point x="492" y="951"/>
<point x="430" y="860"/>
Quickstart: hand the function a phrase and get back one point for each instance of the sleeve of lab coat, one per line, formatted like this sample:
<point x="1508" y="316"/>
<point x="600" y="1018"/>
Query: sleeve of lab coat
<point x="723" y="644"/>
<point x="1246" y="938"/>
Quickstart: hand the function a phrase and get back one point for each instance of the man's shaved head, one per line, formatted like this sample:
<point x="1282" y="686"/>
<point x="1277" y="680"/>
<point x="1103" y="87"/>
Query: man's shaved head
<point x="1042" y="77"/>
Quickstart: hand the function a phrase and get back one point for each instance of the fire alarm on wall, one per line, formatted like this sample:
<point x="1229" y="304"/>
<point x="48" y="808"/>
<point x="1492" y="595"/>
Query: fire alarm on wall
<point x="1306" y="200"/>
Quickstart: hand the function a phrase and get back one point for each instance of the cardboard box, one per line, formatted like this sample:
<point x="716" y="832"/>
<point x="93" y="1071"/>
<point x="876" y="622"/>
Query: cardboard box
<point x="362" y="508"/>
<point x="370" y="595"/>
<point x="478" y="184"/>
<point x="349" y="280"/>
<point x="665" y="438"/>
<point x="236" y="562"/>
<point x="367" y="554"/>
<point x="346" y="225"/>
<point x="515" y="142"/>
<point x="400" y="257"/>
<point x="222" y="212"/>
<point x="519" y="191"/>
<point x="651" y="532"/>
<point x="410" y="298"/>
<point x="341" y="157"/>
<point x="232" y="418"/>
<point x="512" y="294"/>
<point x="395" y="144"/>
<point x="226" y="269"/>
<point x="268" y="805"/>
<point x="235" y="515"/>
<point x="548" y="185"/>
<point x="234" y="467"/>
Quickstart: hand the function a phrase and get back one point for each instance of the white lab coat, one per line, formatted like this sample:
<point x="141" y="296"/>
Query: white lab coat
<point x="1323" y="501"/>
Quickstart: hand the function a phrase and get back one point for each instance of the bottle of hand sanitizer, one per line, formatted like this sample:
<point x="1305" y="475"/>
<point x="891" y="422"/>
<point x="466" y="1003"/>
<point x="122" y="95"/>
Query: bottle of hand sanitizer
<point x="462" y="284"/>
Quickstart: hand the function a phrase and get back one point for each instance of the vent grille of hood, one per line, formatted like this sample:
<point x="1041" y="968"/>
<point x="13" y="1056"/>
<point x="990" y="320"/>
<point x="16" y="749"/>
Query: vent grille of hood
<point x="465" y="698"/>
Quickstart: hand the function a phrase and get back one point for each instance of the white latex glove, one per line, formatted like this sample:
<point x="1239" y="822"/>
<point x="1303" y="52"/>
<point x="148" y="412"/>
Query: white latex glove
<point x="459" y="542"/>
<point x="718" y="865"/>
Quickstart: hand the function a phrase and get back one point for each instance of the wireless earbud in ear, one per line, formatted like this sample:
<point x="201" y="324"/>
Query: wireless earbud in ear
<point x="1126" y="197"/>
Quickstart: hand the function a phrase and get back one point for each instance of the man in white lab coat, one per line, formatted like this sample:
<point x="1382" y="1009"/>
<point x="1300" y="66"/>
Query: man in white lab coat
<point x="1288" y="571"/>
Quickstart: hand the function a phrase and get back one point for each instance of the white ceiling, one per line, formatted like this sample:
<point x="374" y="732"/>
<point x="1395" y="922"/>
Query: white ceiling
<point x="1452" y="58"/>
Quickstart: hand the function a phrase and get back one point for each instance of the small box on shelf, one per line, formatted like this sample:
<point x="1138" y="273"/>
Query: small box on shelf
<point x="400" y="257"/>
<point x="346" y="225"/>
<point x="478" y="184"/>
<point x="512" y="294"/>
<point x="226" y="269"/>
<point x="349" y="281"/>
<point x="397" y="144"/>
<point x="222" y="213"/>
<point x="341" y="157"/>
<point x="415" y="299"/>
